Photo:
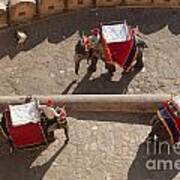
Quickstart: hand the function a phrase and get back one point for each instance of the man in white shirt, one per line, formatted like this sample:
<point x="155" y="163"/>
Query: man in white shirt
<point x="21" y="38"/>
<point x="55" y="120"/>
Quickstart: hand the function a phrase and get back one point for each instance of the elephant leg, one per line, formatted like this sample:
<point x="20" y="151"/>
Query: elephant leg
<point x="162" y="134"/>
<point x="51" y="137"/>
<point x="159" y="130"/>
<point x="111" y="68"/>
<point x="155" y="128"/>
<point x="77" y="60"/>
<point x="139" y="62"/>
<point x="93" y="66"/>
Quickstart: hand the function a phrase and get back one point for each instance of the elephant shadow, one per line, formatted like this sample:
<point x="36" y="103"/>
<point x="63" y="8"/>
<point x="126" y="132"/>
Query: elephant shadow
<point x="152" y="163"/>
<point x="19" y="165"/>
<point x="102" y="84"/>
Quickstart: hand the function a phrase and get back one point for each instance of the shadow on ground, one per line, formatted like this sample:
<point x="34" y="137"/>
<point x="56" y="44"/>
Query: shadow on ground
<point x="58" y="28"/>
<point x="18" y="166"/>
<point x="139" y="170"/>
<point x="102" y="84"/>
<point x="117" y="117"/>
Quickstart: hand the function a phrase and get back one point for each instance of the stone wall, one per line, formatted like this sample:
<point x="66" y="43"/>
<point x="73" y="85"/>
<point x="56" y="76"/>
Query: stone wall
<point x="47" y="7"/>
<point x="77" y="4"/>
<point x="138" y="2"/>
<point x="3" y="18"/>
<point x="108" y="2"/>
<point x="22" y="11"/>
<point x="166" y="2"/>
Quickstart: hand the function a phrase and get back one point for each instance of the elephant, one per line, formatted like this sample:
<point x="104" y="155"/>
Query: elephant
<point x="92" y="55"/>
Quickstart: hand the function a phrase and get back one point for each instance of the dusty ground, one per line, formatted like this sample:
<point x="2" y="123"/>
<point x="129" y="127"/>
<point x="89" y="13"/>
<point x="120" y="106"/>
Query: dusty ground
<point x="45" y="65"/>
<point x="108" y="147"/>
<point x="101" y="147"/>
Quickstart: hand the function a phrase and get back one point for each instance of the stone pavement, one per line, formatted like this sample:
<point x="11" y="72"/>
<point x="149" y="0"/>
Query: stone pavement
<point x="45" y="65"/>
<point x="101" y="147"/>
<point x="97" y="151"/>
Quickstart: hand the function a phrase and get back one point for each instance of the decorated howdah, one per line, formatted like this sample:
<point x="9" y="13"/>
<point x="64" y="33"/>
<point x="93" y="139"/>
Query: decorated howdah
<point x="169" y="115"/>
<point x="166" y="122"/>
<point x="31" y="124"/>
<point x="119" y="45"/>
<point x="116" y="43"/>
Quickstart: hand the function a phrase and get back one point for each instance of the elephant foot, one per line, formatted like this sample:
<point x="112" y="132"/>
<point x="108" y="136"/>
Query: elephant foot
<point x="139" y="68"/>
<point x="76" y="72"/>
<point x="125" y="72"/>
<point x="76" y="69"/>
<point x="51" y="138"/>
<point x="151" y="139"/>
<point x="111" y="69"/>
<point x="111" y="73"/>
<point x="92" y="69"/>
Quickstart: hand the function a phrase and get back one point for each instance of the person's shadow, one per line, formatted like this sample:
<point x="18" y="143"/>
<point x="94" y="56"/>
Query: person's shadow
<point x="151" y="165"/>
<point x="18" y="166"/>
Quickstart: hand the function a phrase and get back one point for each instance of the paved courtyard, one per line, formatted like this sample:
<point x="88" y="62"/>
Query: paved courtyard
<point x="102" y="146"/>
<point x="45" y="65"/>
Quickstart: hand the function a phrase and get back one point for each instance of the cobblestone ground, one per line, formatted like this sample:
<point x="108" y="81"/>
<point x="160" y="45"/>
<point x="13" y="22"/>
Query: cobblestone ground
<point x="102" y="147"/>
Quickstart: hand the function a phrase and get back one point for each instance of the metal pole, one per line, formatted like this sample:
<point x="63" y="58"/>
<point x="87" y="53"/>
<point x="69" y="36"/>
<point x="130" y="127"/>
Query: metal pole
<point x="97" y="103"/>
